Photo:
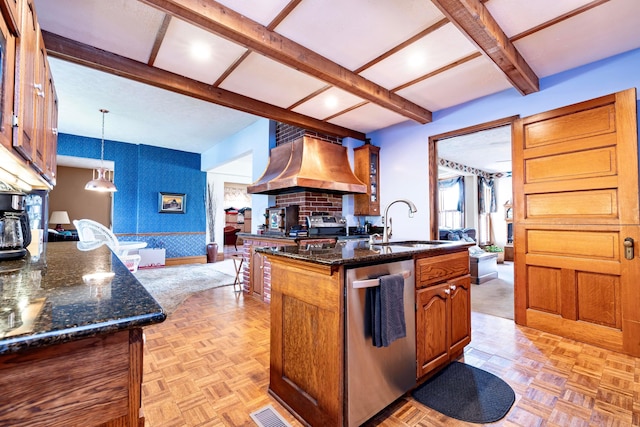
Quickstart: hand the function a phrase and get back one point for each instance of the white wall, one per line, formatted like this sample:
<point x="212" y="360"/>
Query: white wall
<point x="404" y="147"/>
<point x="254" y="140"/>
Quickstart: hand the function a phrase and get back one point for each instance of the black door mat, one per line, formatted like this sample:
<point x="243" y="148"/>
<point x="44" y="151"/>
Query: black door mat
<point x="466" y="393"/>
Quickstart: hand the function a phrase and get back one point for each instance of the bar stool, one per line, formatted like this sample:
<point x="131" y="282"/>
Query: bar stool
<point x="237" y="263"/>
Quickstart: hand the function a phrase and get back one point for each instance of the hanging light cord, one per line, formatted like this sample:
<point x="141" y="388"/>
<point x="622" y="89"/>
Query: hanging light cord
<point x="103" y="111"/>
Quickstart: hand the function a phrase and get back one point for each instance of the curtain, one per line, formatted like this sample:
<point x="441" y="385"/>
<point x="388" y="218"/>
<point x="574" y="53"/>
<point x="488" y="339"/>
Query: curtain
<point x="487" y="202"/>
<point x="451" y="194"/>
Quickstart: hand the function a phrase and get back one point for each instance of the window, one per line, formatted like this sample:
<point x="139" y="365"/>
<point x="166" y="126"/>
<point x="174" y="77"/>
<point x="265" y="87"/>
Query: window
<point x="451" y="203"/>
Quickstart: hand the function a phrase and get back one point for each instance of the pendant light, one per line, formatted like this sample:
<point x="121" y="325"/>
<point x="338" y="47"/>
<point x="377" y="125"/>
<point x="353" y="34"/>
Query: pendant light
<point x="101" y="183"/>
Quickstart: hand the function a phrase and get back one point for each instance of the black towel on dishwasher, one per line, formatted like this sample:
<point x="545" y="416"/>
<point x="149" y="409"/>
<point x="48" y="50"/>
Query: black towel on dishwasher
<point x="387" y="310"/>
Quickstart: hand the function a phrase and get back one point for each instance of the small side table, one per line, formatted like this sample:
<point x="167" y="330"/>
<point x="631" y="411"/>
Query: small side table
<point x="237" y="263"/>
<point x="483" y="267"/>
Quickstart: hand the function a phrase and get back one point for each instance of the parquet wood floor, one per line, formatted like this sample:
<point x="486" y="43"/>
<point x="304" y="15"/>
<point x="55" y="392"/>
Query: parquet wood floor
<point x="208" y="365"/>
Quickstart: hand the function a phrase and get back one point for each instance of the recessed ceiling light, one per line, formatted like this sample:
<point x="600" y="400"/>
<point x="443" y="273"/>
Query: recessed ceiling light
<point x="416" y="60"/>
<point x="331" y="102"/>
<point x="200" y="51"/>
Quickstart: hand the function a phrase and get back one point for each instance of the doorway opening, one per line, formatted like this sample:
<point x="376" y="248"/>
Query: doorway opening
<point x="471" y="195"/>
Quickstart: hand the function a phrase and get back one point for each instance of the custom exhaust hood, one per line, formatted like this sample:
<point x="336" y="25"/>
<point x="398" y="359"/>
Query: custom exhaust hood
<point x="308" y="164"/>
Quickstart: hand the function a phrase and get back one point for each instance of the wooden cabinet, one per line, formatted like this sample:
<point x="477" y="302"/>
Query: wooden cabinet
<point x="443" y="318"/>
<point x="24" y="141"/>
<point x="367" y="169"/>
<point x="51" y="130"/>
<point x="8" y="42"/>
<point x="257" y="273"/>
<point x="28" y="125"/>
<point x="93" y="381"/>
<point x="307" y="354"/>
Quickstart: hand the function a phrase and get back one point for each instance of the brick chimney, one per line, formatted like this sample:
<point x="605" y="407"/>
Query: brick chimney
<point x="308" y="201"/>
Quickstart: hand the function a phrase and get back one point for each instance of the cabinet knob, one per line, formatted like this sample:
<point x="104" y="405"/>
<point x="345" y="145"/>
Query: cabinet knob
<point x="447" y="291"/>
<point x="37" y="86"/>
<point x="452" y="287"/>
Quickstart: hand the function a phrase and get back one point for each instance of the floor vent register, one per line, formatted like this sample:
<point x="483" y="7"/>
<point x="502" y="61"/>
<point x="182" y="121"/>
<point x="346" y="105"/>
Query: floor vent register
<point x="268" y="417"/>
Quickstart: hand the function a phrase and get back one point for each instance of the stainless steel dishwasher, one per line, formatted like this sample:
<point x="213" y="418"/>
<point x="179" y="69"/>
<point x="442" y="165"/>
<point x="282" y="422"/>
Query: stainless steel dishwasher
<point x="376" y="376"/>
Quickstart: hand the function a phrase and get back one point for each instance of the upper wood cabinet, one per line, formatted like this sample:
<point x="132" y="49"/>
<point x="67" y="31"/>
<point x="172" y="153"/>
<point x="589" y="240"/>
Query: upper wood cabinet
<point x="29" y="104"/>
<point x="51" y="130"/>
<point x="27" y="87"/>
<point x="8" y="42"/>
<point x="367" y="169"/>
<point x="12" y="14"/>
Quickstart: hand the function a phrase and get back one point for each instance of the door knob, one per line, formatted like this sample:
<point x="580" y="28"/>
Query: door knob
<point x="628" y="248"/>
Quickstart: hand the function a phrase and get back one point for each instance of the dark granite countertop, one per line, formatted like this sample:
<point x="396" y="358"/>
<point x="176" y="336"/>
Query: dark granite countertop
<point x="302" y="238"/>
<point x="358" y="251"/>
<point x="67" y="294"/>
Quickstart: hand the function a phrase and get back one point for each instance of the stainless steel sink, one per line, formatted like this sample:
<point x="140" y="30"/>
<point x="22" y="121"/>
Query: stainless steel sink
<point x="418" y="243"/>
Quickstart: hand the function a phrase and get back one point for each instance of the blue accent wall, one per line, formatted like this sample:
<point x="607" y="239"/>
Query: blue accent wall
<point x="141" y="172"/>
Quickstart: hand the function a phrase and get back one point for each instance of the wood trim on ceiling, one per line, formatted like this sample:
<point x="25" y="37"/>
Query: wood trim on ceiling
<point x="441" y="23"/>
<point x="92" y="57"/>
<point x="558" y="19"/>
<point x="473" y="19"/>
<point x="162" y="31"/>
<point x="283" y="14"/>
<point x="231" y="25"/>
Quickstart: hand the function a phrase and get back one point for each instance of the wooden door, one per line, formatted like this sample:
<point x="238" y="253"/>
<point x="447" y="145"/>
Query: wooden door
<point x="432" y="328"/>
<point x="575" y="175"/>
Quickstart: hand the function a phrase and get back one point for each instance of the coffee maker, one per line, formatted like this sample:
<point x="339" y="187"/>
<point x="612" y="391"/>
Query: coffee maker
<point x="15" y="232"/>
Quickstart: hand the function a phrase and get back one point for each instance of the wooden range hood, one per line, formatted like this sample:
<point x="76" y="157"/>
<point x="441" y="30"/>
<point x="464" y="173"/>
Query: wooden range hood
<point x="308" y="164"/>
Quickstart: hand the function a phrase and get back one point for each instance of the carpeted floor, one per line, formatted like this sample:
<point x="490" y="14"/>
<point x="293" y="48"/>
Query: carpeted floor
<point x="170" y="286"/>
<point x="495" y="296"/>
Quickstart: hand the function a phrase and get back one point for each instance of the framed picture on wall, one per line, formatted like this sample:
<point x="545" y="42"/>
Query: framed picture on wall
<point x="172" y="202"/>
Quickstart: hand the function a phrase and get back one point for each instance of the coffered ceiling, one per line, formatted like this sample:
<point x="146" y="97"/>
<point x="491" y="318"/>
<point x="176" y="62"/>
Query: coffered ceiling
<point x="185" y="74"/>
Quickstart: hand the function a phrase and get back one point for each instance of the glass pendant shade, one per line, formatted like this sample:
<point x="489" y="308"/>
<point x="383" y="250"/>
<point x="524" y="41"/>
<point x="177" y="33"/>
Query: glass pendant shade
<point x="104" y="181"/>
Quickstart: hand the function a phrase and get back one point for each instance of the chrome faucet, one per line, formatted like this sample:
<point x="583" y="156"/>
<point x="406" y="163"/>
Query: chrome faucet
<point x="372" y="238"/>
<point x="387" y="230"/>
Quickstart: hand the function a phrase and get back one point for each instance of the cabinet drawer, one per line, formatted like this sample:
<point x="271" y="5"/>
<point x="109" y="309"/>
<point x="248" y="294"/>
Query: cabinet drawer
<point x="436" y="269"/>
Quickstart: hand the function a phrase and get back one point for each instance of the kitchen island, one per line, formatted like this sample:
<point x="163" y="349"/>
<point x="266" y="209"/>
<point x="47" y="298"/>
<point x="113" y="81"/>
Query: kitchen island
<point x="314" y="363"/>
<point x="71" y="339"/>
<point x="256" y="270"/>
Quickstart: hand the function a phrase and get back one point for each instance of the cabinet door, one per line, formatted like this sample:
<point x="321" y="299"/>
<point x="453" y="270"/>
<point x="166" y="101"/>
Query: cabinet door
<point x="257" y="273"/>
<point x="51" y="130"/>
<point x="7" y="70"/>
<point x="432" y="328"/>
<point x="40" y="85"/>
<point x="11" y="12"/>
<point x="24" y="140"/>
<point x="367" y="169"/>
<point x="460" y="321"/>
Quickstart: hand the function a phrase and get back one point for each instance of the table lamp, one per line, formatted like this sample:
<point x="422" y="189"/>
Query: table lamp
<point x="59" y="218"/>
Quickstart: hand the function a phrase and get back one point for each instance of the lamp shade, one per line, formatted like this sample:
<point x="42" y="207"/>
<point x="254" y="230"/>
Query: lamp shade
<point x="59" y="217"/>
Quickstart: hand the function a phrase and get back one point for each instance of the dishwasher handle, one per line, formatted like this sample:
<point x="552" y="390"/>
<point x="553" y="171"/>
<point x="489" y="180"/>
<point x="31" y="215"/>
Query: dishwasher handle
<point x="370" y="283"/>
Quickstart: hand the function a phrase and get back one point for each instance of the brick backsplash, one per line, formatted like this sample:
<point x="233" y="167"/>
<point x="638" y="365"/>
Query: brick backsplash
<point x="311" y="202"/>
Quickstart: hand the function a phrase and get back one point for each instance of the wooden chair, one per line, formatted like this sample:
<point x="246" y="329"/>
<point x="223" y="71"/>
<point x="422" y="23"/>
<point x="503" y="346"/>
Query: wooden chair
<point x="230" y="236"/>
